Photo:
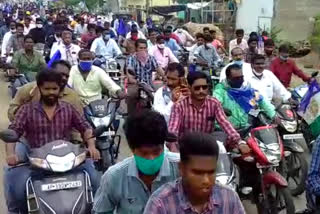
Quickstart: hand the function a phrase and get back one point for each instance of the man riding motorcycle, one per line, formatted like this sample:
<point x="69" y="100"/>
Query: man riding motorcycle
<point x="89" y="80"/>
<point x="39" y="123"/>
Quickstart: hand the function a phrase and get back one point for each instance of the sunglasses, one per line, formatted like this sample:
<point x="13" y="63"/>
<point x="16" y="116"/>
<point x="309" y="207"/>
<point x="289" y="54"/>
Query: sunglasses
<point x="198" y="87"/>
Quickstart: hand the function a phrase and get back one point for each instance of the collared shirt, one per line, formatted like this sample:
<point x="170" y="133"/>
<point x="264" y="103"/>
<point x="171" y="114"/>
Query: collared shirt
<point x="248" y="55"/>
<point x="32" y="122"/>
<point x="284" y="71"/>
<point x="269" y="86"/>
<point x="129" y="45"/>
<point x="108" y="50"/>
<point x="91" y="89"/>
<point x="184" y="36"/>
<point x="187" y="117"/>
<point x="26" y="64"/>
<point x="69" y="54"/>
<point x="246" y="71"/>
<point x="207" y="53"/>
<point x="150" y="44"/>
<point x="140" y="35"/>
<point x="233" y="44"/>
<point x="163" y="58"/>
<point x="15" y="43"/>
<point x="80" y="29"/>
<point x="171" y="198"/>
<point x="162" y="102"/>
<point x="122" y="190"/>
<point x="173" y="45"/>
<point x="88" y="39"/>
<point x="142" y="73"/>
<point x="313" y="179"/>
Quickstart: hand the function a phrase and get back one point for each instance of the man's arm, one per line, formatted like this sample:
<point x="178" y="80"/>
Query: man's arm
<point x="131" y="68"/>
<point x="299" y="73"/>
<point x="94" y="46"/>
<point x="175" y="119"/>
<point x="9" y="46"/>
<point x="70" y="80"/>
<point x="116" y="48"/>
<point x="160" y="105"/>
<point x="155" y="206"/>
<point x="268" y="108"/>
<point x="108" y="83"/>
<point x="172" y="57"/>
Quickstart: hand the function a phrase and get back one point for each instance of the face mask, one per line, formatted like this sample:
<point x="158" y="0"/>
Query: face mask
<point x="147" y="166"/>
<point x="238" y="62"/>
<point x="85" y="66"/>
<point x="39" y="25"/>
<point x="142" y="56"/>
<point x="13" y="30"/>
<point x="161" y="46"/>
<point x="50" y="23"/>
<point x="134" y="38"/>
<point x="179" y="30"/>
<point x="106" y="37"/>
<point x="257" y="74"/>
<point x="283" y="58"/>
<point x="235" y="83"/>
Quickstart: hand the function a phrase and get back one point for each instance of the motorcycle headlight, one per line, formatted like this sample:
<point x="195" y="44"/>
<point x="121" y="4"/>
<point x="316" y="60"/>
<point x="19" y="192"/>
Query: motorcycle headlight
<point x="61" y="164"/>
<point x="39" y="163"/>
<point x="80" y="159"/>
<point x="112" y="65"/>
<point x="272" y="152"/>
<point x="98" y="121"/>
<point x="290" y="126"/>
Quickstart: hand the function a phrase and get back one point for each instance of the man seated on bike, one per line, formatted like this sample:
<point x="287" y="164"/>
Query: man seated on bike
<point x="129" y="44"/>
<point x="207" y="55"/>
<point x="170" y="42"/>
<point x="16" y="41"/>
<point x="200" y="41"/>
<point x="105" y="47"/>
<point x="237" y="97"/>
<point x="283" y="67"/>
<point x="140" y="68"/>
<point x="162" y="54"/>
<point x="266" y="82"/>
<point x="193" y="113"/>
<point x="38" y="33"/>
<point x="174" y="90"/>
<point x="127" y="186"/>
<point x="39" y="123"/>
<point x="90" y="36"/>
<point x="196" y="191"/>
<point x="7" y="37"/>
<point x="89" y="80"/>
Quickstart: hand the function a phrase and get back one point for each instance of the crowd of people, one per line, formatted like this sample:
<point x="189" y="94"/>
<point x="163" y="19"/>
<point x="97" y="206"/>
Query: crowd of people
<point x="155" y="179"/>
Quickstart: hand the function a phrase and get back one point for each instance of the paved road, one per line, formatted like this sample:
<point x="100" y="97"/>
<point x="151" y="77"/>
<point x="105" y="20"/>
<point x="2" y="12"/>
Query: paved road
<point x="124" y="151"/>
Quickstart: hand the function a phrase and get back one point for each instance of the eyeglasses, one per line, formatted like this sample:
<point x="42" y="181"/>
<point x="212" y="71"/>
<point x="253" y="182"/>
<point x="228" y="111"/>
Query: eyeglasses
<point x="198" y="87"/>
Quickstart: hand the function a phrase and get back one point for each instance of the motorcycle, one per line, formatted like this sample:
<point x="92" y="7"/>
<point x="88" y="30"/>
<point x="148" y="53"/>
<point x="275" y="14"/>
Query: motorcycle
<point x="295" y="166"/>
<point x="145" y="96"/>
<point x="102" y="116"/>
<point x="61" y="188"/>
<point x="183" y="56"/>
<point x="110" y="66"/>
<point x="270" y="189"/>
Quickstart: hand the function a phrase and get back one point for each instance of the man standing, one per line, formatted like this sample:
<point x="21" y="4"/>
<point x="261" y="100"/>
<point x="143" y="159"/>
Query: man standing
<point x="238" y="42"/>
<point x="89" y="80"/>
<point x="162" y="54"/>
<point x="196" y="190"/>
<point x="68" y="51"/>
<point x="127" y="185"/>
<point x="140" y="67"/>
<point x="283" y="67"/>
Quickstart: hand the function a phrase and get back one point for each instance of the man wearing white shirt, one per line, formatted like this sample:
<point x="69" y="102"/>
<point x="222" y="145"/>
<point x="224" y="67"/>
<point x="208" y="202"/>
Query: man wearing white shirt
<point x="238" y="42"/>
<point x="7" y="37"/>
<point x="89" y="80"/>
<point x="81" y="28"/>
<point x="238" y="58"/>
<point x="200" y="41"/>
<point x="266" y="82"/>
<point x="184" y="36"/>
<point x="27" y="25"/>
<point x="105" y="46"/>
<point x="172" y="92"/>
<point x="140" y="35"/>
<point x="69" y="52"/>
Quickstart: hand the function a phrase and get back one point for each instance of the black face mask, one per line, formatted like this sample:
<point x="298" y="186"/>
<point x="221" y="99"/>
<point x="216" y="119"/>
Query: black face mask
<point x="237" y="83"/>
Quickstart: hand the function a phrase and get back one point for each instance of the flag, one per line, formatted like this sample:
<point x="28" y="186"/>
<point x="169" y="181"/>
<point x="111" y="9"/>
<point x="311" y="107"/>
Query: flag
<point x="309" y="108"/>
<point x="56" y="56"/>
<point x="122" y="28"/>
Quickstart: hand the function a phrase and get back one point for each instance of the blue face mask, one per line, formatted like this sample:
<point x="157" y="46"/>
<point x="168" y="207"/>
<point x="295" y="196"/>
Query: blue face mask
<point x="238" y="62"/>
<point x="85" y="66"/>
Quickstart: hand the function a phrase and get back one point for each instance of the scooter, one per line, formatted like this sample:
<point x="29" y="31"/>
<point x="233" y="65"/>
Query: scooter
<point x="102" y="115"/>
<point x="61" y="188"/>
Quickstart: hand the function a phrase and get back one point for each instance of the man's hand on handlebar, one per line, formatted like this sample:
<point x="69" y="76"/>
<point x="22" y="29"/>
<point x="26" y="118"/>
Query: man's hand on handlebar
<point x="94" y="153"/>
<point x="244" y="148"/>
<point x="12" y="160"/>
<point x="121" y="94"/>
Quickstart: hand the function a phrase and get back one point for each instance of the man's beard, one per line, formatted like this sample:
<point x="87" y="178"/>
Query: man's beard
<point x="50" y="100"/>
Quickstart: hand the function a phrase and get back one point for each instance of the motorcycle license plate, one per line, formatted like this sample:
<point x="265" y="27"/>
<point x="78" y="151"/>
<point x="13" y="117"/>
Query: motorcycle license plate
<point x="292" y="136"/>
<point x="60" y="186"/>
<point x="108" y="133"/>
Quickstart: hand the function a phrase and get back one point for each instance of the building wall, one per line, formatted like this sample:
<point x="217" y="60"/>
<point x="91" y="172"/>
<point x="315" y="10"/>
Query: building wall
<point x="293" y="17"/>
<point x="253" y="14"/>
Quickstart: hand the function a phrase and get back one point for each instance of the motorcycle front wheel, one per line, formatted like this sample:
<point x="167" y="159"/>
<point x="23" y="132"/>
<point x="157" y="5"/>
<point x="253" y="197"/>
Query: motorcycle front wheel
<point x="278" y="201"/>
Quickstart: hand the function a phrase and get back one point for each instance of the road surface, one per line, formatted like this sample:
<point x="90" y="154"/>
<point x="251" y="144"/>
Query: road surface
<point x="124" y="150"/>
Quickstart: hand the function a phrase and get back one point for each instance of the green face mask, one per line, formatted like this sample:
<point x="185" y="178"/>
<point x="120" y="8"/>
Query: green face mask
<point x="147" y="166"/>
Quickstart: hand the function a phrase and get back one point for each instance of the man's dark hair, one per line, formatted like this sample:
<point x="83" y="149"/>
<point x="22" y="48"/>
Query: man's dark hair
<point x="27" y="18"/>
<point x="91" y="26"/>
<point x="239" y="31"/>
<point x="146" y="128"/>
<point x="83" y="51"/>
<point x="159" y="38"/>
<point x="99" y="29"/>
<point x="167" y="31"/>
<point x="48" y="75"/>
<point x="174" y="66"/>
<point x="134" y="31"/>
<point x="199" y="35"/>
<point x="253" y="39"/>
<point x="39" y="20"/>
<point x="141" y="41"/>
<point x="28" y="37"/>
<point x="193" y="76"/>
<point x="257" y="57"/>
<point x="284" y="48"/>
<point x="19" y="25"/>
<point x="198" y="143"/>
<point x="269" y="43"/>
<point x="60" y="62"/>
<point x="208" y="38"/>
<point x="232" y="67"/>
<point x="151" y="30"/>
<point x="253" y="33"/>
<point x="205" y="29"/>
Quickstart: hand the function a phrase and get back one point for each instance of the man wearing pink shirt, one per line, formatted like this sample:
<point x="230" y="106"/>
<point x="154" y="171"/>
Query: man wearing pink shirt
<point x="162" y="54"/>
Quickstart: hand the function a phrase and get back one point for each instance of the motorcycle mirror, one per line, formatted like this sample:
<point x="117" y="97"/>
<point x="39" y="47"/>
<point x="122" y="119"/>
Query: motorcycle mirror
<point x="9" y="136"/>
<point x="314" y="74"/>
<point x="99" y="130"/>
<point x="171" y="138"/>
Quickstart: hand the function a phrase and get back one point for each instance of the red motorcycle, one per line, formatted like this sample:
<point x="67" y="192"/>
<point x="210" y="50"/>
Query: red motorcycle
<point x="269" y="188"/>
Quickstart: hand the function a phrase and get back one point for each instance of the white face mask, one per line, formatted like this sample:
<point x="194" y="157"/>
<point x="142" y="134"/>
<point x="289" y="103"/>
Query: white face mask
<point x="13" y="30"/>
<point x="179" y="31"/>
<point x="161" y="46"/>
<point x="39" y="25"/>
<point x="257" y="74"/>
<point x="50" y="23"/>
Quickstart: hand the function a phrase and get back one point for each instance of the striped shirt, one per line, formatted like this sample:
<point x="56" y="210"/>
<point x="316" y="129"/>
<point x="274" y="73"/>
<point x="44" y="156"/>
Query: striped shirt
<point x="186" y="117"/>
<point x="122" y="191"/>
<point x="32" y="122"/>
<point x="171" y="199"/>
